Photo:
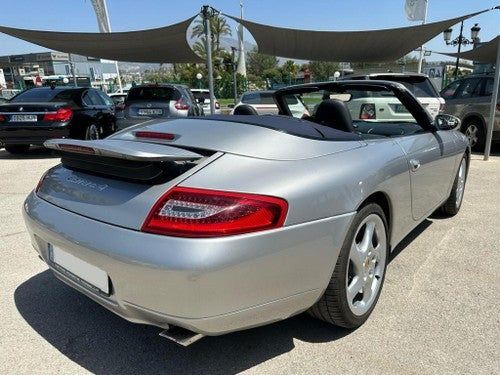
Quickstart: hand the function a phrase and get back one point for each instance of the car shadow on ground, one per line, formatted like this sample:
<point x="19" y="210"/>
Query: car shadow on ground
<point x="34" y="153"/>
<point x="102" y="342"/>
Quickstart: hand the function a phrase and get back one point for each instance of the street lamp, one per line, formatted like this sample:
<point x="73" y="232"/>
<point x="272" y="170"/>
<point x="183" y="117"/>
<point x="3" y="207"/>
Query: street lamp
<point x="199" y="77"/>
<point x="461" y="40"/>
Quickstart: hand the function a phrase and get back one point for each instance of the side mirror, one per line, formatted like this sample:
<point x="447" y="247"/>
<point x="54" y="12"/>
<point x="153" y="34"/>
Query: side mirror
<point x="446" y="122"/>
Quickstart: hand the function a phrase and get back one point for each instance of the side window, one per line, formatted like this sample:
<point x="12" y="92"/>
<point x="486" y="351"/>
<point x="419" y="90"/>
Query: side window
<point x="488" y="87"/>
<point x="450" y="90"/>
<point x="95" y="97"/>
<point x="106" y="99"/>
<point x="467" y="88"/>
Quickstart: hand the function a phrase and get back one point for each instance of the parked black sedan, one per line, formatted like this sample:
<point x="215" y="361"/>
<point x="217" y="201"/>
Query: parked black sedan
<point x="38" y="114"/>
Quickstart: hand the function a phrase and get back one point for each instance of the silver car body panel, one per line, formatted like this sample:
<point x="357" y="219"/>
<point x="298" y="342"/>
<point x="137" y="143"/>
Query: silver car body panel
<point x="218" y="285"/>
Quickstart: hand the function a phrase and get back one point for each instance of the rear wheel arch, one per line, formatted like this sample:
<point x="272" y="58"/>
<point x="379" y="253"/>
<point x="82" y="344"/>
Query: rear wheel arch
<point x="382" y="200"/>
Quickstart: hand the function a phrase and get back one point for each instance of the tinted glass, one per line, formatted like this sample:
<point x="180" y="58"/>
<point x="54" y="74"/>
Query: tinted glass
<point x="153" y="93"/>
<point x="43" y="95"/>
<point x="258" y="98"/>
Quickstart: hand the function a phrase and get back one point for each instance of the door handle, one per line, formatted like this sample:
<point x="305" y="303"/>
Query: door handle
<point x="415" y="164"/>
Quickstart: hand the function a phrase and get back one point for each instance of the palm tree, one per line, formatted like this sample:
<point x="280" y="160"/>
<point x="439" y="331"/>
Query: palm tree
<point x="218" y="28"/>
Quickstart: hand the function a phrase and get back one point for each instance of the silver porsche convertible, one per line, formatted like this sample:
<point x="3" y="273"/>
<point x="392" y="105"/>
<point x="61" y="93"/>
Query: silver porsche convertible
<point x="222" y="223"/>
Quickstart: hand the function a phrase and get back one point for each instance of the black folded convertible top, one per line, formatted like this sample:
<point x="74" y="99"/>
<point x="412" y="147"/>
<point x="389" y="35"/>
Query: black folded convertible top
<point x="289" y="125"/>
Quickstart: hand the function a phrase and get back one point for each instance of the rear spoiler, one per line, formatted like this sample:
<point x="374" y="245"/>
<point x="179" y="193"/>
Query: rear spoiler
<point x="125" y="150"/>
<point x="127" y="160"/>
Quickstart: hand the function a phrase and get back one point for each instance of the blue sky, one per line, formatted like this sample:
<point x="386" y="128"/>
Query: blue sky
<point x="335" y="15"/>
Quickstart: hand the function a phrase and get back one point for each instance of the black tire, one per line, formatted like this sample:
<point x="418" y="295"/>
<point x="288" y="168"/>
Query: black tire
<point x="92" y="132"/>
<point x="454" y="201"/>
<point x="474" y="131"/>
<point x="360" y="264"/>
<point x="17" y="149"/>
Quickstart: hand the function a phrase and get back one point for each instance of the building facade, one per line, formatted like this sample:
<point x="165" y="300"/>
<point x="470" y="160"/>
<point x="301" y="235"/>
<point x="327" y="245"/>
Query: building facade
<point x="35" y="69"/>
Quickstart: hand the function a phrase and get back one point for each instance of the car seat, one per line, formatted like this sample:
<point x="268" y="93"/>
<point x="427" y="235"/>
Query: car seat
<point x="334" y="114"/>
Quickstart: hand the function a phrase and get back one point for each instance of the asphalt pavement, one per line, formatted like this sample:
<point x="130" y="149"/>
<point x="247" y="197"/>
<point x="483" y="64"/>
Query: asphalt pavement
<point x="439" y="312"/>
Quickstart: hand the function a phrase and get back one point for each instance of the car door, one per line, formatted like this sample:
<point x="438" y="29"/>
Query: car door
<point x="459" y="95"/>
<point x="431" y="158"/>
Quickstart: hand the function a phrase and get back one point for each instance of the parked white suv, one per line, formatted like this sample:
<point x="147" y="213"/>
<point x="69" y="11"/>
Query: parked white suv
<point x="202" y="96"/>
<point x="419" y="85"/>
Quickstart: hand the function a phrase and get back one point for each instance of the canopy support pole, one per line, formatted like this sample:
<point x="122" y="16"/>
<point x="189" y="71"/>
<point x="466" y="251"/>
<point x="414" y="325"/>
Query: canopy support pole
<point x="206" y="12"/>
<point x="494" y="100"/>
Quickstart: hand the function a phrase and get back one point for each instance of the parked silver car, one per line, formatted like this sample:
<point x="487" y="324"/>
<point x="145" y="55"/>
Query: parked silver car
<point x="156" y="101"/>
<point x="470" y="99"/>
<point x="218" y="224"/>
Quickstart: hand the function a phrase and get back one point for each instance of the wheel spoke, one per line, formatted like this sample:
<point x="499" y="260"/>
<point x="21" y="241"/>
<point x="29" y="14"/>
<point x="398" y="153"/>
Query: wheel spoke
<point x="354" y="288"/>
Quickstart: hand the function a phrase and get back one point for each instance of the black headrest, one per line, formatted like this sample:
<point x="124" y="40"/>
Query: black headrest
<point x="245" y="109"/>
<point x="334" y="113"/>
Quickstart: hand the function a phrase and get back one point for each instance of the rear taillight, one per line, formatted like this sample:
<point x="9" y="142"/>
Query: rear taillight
<point x="2" y="118"/>
<point x="367" y="111"/>
<point x="217" y="105"/>
<point x="62" y="114"/>
<point x="181" y="104"/>
<point x="191" y="212"/>
<point x="119" y="107"/>
<point x="498" y="106"/>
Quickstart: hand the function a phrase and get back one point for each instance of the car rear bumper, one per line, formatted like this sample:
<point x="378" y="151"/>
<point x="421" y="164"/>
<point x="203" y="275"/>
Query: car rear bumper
<point x="210" y="286"/>
<point x="34" y="136"/>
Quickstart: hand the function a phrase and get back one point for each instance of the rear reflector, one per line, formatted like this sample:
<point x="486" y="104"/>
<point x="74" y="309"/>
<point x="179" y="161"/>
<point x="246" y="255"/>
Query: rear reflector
<point x="187" y="212"/>
<point x="157" y="135"/>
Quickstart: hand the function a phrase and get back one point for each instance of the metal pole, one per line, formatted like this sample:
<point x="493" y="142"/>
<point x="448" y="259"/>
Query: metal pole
<point x="235" y="83"/>
<point x="494" y="100"/>
<point x="72" y="67"/>
<point x="421" y="57"/>
<point x="460" y="38"/>
<point x="208" y="46"/>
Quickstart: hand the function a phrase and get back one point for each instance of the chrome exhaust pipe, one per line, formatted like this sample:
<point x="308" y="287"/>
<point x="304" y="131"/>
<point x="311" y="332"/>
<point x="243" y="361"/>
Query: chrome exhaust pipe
<point x="181" y="335"/>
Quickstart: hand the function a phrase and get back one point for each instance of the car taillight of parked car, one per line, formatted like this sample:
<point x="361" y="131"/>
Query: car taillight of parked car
<point x="181" y="104"/>
<point x="217" y="105"/>
<point x="189" y="212"/>
<point x="120" y="107"/>
<point x="367" y="111"/>
<point x="62" y="114"/>
<point x="2" y="118"/>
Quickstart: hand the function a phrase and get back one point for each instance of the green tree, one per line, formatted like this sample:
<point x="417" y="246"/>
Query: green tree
<point x="323" y="70"/>
<point x="258" y="63"/>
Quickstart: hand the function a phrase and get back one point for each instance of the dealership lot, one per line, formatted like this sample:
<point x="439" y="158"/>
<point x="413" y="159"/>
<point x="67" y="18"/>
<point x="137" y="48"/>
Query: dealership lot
<point x="438" y="312"/>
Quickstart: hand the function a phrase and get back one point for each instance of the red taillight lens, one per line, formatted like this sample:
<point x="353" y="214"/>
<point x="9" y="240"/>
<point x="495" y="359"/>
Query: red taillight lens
<point x="62" y="114"/>
<point x="119" y="107"/>
<point x="190" y="212"/>
<point x="181" y="104"/>
<point x="2" y="118"/>
<point x="217" y="105"/>
<point x="367" y="111"/>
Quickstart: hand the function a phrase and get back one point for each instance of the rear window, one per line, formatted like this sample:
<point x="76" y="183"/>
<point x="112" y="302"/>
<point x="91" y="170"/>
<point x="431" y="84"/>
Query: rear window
<point x="205" y="95"/>
<point x="421" y="87"/>
<point x="153" y="93"/>
<point x="43" y="95"/>
<point x="258" y="98"/>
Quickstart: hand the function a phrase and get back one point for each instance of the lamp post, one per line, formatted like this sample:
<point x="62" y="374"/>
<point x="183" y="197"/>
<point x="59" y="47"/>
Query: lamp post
<point x="199" y="77"/>
<point x="461" y="40"/>
<point x="235" y="77"/>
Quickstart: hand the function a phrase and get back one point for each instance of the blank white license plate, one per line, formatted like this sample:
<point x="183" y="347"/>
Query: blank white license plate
<point x="23" y="118"/>
<point x="149" y="111"/>
<point x="80" y="270"/>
